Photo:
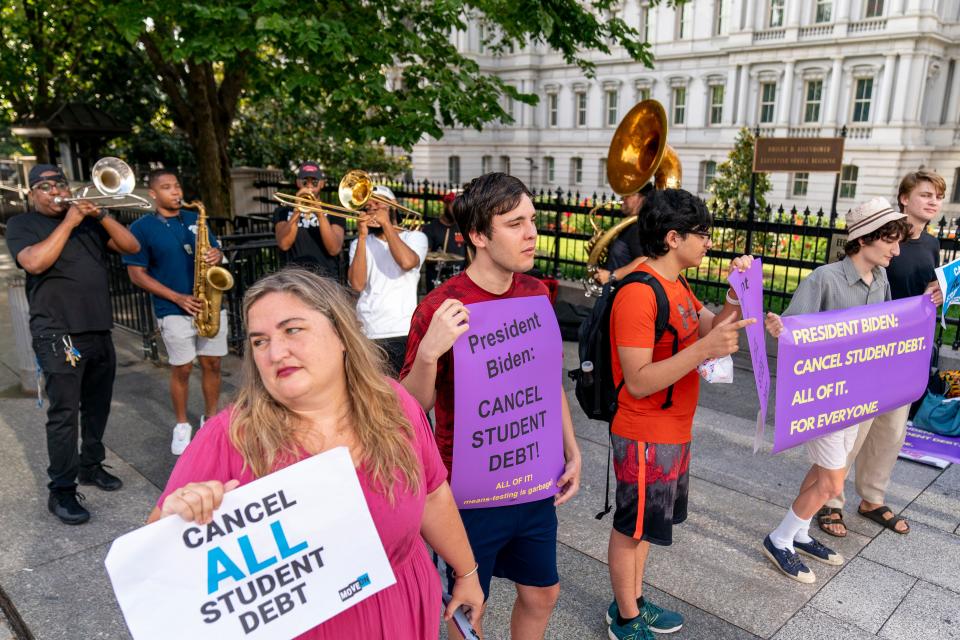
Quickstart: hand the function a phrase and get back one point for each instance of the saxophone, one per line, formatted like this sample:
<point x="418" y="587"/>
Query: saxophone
<point x="209" y="282"/>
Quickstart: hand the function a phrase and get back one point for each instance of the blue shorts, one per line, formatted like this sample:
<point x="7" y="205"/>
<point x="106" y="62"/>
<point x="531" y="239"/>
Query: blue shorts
<point x="517" y="542"/>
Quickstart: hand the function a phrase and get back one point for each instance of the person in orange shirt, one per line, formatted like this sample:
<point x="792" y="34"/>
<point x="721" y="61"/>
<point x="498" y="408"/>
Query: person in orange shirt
<point x="651" y="431"/>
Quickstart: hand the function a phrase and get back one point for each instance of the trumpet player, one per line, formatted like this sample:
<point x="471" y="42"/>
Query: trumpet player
<point x="164" y="267"/>
<point x="311" y="240"/>
<point x="63" y="248"/>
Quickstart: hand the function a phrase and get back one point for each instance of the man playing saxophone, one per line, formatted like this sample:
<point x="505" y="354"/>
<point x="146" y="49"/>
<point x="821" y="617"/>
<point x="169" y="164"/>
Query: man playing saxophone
<point x="164" y="267"/>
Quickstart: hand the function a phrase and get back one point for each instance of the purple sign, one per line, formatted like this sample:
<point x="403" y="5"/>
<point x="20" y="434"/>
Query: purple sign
<point x="839" y="368"/>
<point x="508" y="432"/>
<point x="921" y="445"/>
<point x="749" y="288"/>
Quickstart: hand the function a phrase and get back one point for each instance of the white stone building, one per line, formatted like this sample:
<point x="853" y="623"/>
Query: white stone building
<point x="887" y="69"/>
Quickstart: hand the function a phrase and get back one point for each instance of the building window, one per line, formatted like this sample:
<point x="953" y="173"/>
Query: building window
<point x="684" y="16"/>
<point x="482" y="39"/>
<point x="679" y="104"/>
<point x="580" y="114"/>
<point x="486" y="164"/>
<point x="716" y="104"/>
<point x="453" y="169"/>
<point x="553" y="107"/>
<point x="612" y="99"/>
<point x="643" y="94"/>
<point x="768" y="101"/>
<point x="549" y="170"/>
<point x="721" y="18"/>
<point x="602" y="173"/>
<point x="861" y="100"/>
<point x="776" y="13"/>
<point x="576" y="171"/>
<point x="813" y="96"/>
<point x="824" y="9"/>
<point x="848" y="181"/>
<point x="800" y="183"/>
<point x="708" y="171"/>
<point x="873" y="9"/>
<point x="645" y="22"/>
<point x="509" y="110"/>
<point x="505" y="164"/>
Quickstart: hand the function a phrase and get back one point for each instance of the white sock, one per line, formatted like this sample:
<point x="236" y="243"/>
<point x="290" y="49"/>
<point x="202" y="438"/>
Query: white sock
<point x="803" y="535"/>
<point x="782" y="536"/>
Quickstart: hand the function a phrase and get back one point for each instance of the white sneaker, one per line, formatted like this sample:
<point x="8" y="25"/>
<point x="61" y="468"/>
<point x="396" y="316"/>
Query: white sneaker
<point x="181" y="438"/>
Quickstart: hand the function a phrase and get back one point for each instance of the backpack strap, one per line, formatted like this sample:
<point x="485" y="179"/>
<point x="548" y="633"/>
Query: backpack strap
<point x="662" y="324"/>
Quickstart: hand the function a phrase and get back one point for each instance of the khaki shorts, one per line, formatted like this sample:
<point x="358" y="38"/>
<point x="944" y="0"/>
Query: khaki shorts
<point x="831" y="451"/>
<point x="182" y="342"/>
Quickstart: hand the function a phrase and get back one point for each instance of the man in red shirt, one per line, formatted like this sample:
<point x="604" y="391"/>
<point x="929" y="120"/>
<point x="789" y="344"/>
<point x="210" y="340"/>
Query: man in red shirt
<point x="518" y="542"/>
<point x="651" y="431"/>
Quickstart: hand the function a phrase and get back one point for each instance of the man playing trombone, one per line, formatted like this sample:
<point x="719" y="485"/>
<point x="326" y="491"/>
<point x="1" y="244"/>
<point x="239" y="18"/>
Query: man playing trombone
<point x="311" y="240"/>
<point x="62" y="245"/>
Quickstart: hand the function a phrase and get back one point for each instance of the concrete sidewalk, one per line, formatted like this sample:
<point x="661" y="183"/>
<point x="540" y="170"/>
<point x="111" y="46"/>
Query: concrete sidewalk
<point x="892" y="586"/>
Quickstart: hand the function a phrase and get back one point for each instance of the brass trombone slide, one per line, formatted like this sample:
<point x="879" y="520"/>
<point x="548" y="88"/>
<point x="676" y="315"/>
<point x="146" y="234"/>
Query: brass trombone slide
<point x="310" y="204"/>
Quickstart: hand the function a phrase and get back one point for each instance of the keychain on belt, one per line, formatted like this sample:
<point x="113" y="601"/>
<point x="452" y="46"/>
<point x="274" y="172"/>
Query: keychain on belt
<point x="73" y="356"/>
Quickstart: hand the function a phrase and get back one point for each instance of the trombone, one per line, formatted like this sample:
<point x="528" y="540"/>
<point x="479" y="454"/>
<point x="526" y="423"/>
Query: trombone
<point x="354" y="191"/>
<point x="112" y="178"/>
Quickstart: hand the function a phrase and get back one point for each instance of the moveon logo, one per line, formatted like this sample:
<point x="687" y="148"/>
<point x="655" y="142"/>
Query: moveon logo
<point x="354" y="587"/>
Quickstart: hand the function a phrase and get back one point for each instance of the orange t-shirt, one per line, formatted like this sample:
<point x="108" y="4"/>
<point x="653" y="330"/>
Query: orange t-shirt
<point x="632" y="324"/>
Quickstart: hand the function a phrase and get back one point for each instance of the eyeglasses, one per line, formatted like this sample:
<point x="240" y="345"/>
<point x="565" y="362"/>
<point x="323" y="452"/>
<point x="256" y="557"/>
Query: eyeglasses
<point x="47" y="187"/>
<point x="706" y="235"/>
<point x="311" y="181"/>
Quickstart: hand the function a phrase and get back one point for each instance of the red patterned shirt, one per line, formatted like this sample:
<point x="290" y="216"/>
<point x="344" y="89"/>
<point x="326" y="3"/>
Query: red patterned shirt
<point x="465" y="290"/>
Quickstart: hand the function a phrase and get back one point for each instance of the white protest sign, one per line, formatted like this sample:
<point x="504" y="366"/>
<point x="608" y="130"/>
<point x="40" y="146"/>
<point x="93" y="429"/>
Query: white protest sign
<point x="949" y="278"/>
<point x="282" y="555"/>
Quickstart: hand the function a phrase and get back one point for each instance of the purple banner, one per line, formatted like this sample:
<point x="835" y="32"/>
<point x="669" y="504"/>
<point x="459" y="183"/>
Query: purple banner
<point x="922" y="444"/>
<point x="839" y="368"/>
<point x="749" y="288"/>
<point x="508" y="433"/>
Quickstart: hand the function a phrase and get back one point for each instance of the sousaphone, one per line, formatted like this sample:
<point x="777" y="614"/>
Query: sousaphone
<point x="638" y="152"/>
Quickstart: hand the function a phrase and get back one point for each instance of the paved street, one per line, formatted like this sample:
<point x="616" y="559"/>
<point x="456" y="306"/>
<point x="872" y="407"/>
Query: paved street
<point x="892" y="586"/>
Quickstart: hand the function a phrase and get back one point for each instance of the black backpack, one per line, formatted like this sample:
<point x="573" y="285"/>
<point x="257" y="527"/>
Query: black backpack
<point x="598" y="397"/>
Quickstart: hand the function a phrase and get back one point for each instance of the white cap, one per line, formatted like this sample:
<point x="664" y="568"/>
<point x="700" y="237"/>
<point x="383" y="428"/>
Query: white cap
<point x="384" y="192"/>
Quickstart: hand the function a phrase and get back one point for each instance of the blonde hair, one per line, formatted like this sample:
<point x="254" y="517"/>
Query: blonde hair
<point x="260" y="426"/>
<point x="912" y="179"/>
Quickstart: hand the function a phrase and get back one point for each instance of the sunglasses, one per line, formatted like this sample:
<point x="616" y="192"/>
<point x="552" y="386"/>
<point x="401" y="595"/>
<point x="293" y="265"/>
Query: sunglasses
<point x="311" y="181"/>
<point x="49" y="186"/>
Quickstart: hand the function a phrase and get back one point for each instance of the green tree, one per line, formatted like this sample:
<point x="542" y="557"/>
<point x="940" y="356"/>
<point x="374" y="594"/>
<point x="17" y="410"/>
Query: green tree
<point x="377" y="71"/>
<point x="731" y="185"/>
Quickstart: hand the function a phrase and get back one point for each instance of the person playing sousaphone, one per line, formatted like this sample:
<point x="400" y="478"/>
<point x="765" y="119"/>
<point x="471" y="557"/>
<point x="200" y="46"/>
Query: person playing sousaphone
<point x="295" y="401"/>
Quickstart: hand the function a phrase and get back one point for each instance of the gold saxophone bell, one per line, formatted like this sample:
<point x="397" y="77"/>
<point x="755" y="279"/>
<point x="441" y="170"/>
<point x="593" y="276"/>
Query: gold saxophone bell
<point x="209" y="281"/>
<point x="638" y="152"/>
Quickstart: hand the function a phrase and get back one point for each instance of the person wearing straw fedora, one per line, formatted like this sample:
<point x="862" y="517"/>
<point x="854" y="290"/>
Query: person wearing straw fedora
<point x="875" y="231"/>
<point x="920" y="198"/>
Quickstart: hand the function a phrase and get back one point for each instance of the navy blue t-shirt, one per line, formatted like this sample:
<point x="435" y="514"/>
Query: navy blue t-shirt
<point x="167" y="247"/>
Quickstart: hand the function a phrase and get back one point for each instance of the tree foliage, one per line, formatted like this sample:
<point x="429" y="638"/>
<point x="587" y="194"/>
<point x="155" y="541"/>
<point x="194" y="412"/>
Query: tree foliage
<point x="731" y="183"/>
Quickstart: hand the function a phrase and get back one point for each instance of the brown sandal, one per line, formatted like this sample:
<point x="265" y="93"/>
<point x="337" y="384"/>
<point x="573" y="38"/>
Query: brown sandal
<point x="825" y="518"/>
<point x="879" y="514"/>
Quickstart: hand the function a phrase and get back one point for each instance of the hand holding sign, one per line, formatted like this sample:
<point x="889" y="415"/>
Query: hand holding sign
<point x="774" y="324"/>
<point x="569" y="482"/>
<point x="449" y="322"/>
<point x="197" y="501"/>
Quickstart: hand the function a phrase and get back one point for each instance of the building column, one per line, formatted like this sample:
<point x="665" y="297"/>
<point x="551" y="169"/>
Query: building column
<point x="881" y="114"/>
<point x="833" y="104"/>
<point x="954" y="103"/>
<point x="748" y="18"/>
<point x="793" y="13"/>
<point x="783" y="116"/>
<point x="900" y="98"/>
<point x="843" y="10"/>
<point x="731" y="97"/>
<point x="918" y="83"/>
<point x="743" y="116"/>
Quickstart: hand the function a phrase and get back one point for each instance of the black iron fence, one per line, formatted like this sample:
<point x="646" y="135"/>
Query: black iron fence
<point x="790" y="242"/>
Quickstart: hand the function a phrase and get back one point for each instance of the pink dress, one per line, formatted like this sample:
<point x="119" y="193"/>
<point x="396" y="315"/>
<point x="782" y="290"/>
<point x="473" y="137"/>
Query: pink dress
<point x="410" y="609"/>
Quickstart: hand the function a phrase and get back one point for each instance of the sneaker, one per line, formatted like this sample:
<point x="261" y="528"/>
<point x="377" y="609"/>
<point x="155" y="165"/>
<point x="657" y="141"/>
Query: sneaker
<point x="635" y="629"/>
<point x="181" y="438"/>
<point x="98" y="475"/>
<point x="788" y="562"/>
<point x="819" y="551"/>
<point x="658" y="619"/>
<point x="65" y="504"/>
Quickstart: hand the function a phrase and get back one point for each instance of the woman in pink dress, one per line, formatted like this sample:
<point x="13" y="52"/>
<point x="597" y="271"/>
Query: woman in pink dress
<point x="312" y="382"/>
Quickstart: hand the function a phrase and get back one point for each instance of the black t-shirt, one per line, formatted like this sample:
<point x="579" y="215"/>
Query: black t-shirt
<point x="73" y="295"/>
<point x="911" y="271"/>
<point x="439" y="234"/>
<point x="308" y="250"/>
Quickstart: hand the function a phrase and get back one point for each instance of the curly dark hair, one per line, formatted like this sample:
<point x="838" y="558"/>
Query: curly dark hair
<point x="666" y="210"/>
<point x="893" y="231"/>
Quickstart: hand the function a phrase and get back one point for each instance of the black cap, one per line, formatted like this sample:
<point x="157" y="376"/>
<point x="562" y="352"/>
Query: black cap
<point x="36" y="174"/>
<point x="311" y="170"/>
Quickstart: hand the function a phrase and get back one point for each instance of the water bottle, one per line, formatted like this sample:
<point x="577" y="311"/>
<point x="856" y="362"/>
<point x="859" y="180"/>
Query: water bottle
<point x="586" y="373"/>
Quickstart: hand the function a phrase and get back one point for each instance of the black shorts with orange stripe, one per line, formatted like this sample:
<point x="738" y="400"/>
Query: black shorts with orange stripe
<point x="653" y="482"/>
